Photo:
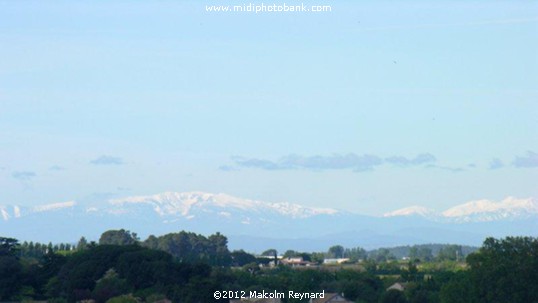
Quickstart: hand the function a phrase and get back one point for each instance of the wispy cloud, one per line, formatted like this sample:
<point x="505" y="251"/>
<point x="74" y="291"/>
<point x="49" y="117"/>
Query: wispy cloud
<point x="496" y="163"/>
<point x="56" y="168"/>
<point x="529" y="160"/>
<point x="351" y="161"/>
<point x="107" y="160"/>
<point x="447" y="168"/>
<point x="256" y="163"/>
<point x="23" y="175"/>
<point x="418" y="160"/>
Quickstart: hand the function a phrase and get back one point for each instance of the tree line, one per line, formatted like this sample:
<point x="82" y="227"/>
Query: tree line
<point x="188" y="267"/>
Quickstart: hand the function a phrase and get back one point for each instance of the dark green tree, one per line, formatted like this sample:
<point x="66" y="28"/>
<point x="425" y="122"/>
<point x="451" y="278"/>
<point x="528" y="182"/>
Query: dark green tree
<point x="110" y="285"/>
<point x="118" y="237"/>
<point x="450" y="252"/>
<point x="219" y="245"/>
<point x="336" y="251"/>
<point x="10" y="268"/>
<point x="82" y="244"/>
<point x="505" y="270"/>
<point x="290" y="254"/>
<point x="8" y="246"/>
<point x="355" y="254"/>
<point x="240" y="258"/>
<point x="420" y="253"/>
<point x="458" y="289"/>
<point x="393" y="296"/>
<point x="10" y="277"/>
<point x="272" y="253"/>
<point x="411" y="274"/>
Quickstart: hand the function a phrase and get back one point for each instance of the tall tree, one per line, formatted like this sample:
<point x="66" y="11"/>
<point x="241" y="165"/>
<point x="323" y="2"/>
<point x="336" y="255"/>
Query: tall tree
<point x="273" y="253"/>
<point x="336" y="251"/>
<point x="10" y="268"/>
<point x="220" y="244"/>
<point x="505" y="270"/>
<point x="82" y="244"/>
<point x="8" y="246"/>
<point x="118" y="237"/>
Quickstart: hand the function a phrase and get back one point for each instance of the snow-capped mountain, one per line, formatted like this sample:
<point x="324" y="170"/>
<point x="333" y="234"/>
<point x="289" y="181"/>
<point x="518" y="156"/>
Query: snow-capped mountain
<point x="414" y="210"/>
<point x="476" y="211"/>
<point x="486" y="210"/>
<point x="190" y="204"/>
<point x="53" y="206"/>
<point x="173" y="204"/>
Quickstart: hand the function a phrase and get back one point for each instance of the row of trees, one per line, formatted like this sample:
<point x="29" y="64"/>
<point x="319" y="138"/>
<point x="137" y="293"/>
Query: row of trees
<point x="37" y="250"/>
<point x="417" y="253"/>
<point x="188" y="246"/>
<point x="184" y="246"/>
<point x="423" y="253"/>
<point x="213" y="249"/>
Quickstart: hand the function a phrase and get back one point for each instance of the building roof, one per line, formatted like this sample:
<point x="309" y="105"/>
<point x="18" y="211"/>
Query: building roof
<point x="335" y="260"/>
<point x="295" y="261"/>
<point x="398" y="286"/>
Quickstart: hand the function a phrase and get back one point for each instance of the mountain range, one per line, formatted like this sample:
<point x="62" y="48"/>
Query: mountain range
<point x="476" y="211"/>
<point x="257" y="225"/>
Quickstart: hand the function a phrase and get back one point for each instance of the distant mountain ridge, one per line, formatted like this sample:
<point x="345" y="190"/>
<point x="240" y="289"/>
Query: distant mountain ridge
<point x="187" y="204"/>
<point x="175" y="204"/>
<point x="255" y="225"/>
<point x="191" y="204"/>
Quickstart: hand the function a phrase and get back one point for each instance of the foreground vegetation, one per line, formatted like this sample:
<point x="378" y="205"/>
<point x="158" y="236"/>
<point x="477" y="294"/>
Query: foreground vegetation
<point x="186" y="267"/>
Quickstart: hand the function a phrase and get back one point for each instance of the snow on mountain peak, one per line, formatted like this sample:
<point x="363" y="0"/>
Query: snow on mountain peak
<point x="4" y="213"/>
<point x="173" y="203"/>
<point x="487" y="210"/>
<point x="9" y="212"/>
<point x="14" y="211"/>
<point x="52" y="206"/>
<point x="476" y="211"/>
<point x="410" y="211"/>
<point x="301" y="211"/>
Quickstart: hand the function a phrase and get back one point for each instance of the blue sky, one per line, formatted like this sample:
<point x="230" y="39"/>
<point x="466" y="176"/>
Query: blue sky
<point x="374" y="106"/>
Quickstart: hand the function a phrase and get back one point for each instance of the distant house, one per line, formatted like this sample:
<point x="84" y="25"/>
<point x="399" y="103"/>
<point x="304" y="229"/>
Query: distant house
<point x="335" y="261"/>
<point x="292" y="260"/>
<point x="271" y="260"/>
<point x="255" y="300"/>
<point x="398" y="286"/>
<point x="329" y="298"/>
<point x="295" y="261"/>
